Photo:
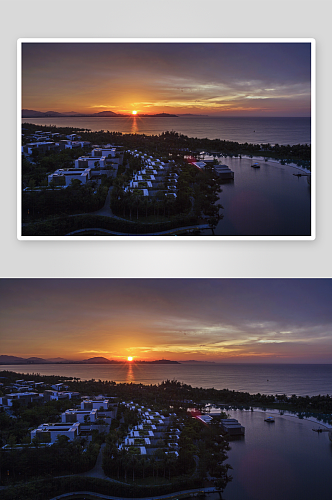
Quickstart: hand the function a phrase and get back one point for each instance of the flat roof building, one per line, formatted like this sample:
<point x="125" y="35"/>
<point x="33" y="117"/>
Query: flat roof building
<point x="48" y="433"/>
<point x="65" y="177"/>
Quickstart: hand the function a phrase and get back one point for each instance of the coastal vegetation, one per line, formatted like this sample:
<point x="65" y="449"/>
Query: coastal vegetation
<point x="76" y="198"/>
<point x="168" y="394"/>
<point x="173" y="145"/>
<point x="52" y="487"/>
<point x="57" y="226"/>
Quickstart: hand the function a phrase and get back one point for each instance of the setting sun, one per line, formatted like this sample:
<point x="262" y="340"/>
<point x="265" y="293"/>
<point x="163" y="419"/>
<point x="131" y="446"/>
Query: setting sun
<point x="130" y="358"/>
<point x="134" y="112"/>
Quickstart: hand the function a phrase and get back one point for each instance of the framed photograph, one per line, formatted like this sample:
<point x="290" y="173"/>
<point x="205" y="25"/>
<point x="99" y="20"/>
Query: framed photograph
<point x="186" y="385"/>
<point x="155" y="138"/>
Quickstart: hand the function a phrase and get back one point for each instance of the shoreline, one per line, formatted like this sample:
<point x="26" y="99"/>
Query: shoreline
<point x="274" y="411"/>
<point x="190" y="134"/>
<point x="291" y="165"/>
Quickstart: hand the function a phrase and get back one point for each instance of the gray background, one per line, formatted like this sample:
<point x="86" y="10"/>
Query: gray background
<point x="180" y="19"/>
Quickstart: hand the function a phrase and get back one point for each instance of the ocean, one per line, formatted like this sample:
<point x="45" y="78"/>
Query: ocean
<point x="299" y="379"/>
<point x="264" y="130"/>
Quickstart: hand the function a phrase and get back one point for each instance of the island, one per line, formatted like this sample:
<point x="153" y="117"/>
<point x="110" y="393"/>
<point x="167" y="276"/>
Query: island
<point x="30" y="113"/>
<point x="15" y="360"/>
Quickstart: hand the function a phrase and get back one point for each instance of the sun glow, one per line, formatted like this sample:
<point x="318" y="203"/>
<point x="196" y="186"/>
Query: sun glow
<point x="134" y="112"/>
<point x="130" y="358"/>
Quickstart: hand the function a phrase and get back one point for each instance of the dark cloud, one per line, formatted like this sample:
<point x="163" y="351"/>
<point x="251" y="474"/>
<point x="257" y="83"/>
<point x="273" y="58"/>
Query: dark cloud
<point x="168" y="74"/>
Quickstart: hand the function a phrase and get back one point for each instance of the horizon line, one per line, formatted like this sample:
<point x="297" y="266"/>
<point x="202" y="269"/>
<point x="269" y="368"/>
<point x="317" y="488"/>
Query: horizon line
<point x="128" y="114"/>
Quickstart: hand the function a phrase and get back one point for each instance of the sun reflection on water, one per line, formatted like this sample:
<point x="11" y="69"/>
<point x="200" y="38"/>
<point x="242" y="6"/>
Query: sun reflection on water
<point x="130" y="378"/>
<point x="134" y="126"/>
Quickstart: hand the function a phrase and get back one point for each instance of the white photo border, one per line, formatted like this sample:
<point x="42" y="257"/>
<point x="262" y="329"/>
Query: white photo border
<point x="312" y="41"/>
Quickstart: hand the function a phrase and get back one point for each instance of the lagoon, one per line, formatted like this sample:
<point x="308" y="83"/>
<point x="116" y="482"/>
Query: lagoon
<point x="265" y="201"/>
<point x="284" y="460"/>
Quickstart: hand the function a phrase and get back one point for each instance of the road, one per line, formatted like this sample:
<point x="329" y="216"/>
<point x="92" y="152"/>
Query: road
<point x="169" y="231"/>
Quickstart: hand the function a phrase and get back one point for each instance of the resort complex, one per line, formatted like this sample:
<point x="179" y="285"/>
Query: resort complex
<point x="136" y="189"/>
<point x="116" y="438"/>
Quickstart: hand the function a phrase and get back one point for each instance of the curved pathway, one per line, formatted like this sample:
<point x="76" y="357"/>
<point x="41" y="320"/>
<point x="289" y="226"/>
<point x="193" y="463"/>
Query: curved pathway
<point x="169" y="231"/>
<point x="175" y="495"/>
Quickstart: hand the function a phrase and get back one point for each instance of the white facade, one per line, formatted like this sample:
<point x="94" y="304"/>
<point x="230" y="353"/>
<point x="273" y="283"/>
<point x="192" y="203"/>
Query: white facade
<point x="58" y="387"/>
<point x="50" y="432"/>
<point x="92" y="404"/>
<point x="79" y="416"/>
<point x="88" y="161"/>
<point x="100" y="152"/>
<point x="82" y="174"/>
<point x="28" y="397"/>
<point x="56" y="395"/>
<point x="75" y="144"/>
<point x="33" y="145"/>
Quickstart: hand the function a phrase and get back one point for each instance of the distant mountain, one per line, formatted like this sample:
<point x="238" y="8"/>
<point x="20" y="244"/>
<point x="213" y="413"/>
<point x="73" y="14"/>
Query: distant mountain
<point x="160" y="362"/>
<point x="105" y="113"/>
<point x="161" y="115"/>
<point x="52" y="113"/>
<point x="58" y="360"/>
<point x="30" y="113"/>
<point x="15" y="360"/>
<point x="98" y="359"/>
<point x="36" y="360"/>
<point x="101" y="359"/>
<point x="194" y="361"/>
<point x="10" y="360"/>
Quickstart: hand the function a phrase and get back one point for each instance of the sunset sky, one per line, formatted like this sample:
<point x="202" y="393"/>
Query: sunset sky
<point x="222" y="320"/>
<point x="218" y="79"/>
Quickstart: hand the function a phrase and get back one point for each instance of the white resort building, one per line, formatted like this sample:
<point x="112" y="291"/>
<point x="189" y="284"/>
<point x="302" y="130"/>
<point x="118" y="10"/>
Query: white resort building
<point x="48" y="433"/>
<point x="64" y="177"/>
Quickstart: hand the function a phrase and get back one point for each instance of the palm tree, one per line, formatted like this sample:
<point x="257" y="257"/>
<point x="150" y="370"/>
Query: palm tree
<point x="137" y="202"/>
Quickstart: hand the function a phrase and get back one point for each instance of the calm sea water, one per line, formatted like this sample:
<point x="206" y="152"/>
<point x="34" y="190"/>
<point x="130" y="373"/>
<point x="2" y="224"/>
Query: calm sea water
<point x="253" y="378"/>
<point x="285" y="460"/>
<point x="252" y="130"/>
